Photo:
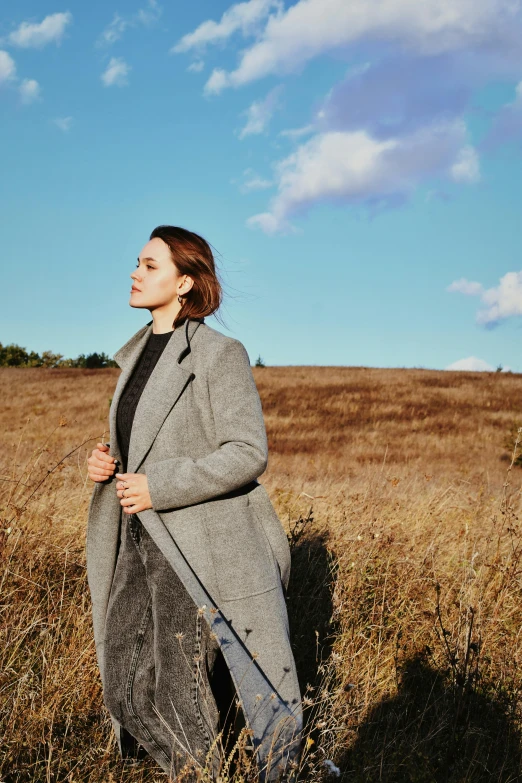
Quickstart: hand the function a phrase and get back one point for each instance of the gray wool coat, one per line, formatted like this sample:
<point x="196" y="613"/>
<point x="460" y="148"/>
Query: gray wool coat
<point x="199" y="437"/>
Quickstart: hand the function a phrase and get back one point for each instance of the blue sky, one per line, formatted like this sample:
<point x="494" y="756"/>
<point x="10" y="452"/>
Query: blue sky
<point x="356" y="166"/>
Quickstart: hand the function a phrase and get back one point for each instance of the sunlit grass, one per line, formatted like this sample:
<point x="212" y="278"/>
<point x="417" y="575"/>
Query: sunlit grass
<point x="405" y="599"/>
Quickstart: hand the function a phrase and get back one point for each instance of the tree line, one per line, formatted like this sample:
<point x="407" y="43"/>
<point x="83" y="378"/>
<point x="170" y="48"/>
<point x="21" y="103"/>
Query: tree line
<point x="15" y="356"/>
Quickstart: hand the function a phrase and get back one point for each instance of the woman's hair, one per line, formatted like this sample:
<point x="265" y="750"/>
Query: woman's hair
<point x="192" y="256"/>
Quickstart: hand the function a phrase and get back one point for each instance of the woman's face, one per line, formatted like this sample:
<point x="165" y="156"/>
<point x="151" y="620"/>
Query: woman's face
<point x="156" y="282"/>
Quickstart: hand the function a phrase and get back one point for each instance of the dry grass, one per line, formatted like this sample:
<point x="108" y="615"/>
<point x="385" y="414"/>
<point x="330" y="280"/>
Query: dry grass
<point x="405" y="598"/>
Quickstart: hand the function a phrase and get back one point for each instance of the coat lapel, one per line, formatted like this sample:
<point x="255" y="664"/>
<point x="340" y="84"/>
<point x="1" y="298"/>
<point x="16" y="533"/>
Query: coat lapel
<point x="164" y="387"/>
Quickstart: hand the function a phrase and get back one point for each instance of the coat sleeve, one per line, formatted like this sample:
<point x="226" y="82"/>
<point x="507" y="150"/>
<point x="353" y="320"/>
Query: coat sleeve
<point x="242" y="452"/>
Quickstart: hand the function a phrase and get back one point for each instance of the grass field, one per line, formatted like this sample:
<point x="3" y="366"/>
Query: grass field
<point x="403" y="508"/>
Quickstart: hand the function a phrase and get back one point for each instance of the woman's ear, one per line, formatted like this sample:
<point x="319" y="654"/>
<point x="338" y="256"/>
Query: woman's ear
<point x="188" y="282"/>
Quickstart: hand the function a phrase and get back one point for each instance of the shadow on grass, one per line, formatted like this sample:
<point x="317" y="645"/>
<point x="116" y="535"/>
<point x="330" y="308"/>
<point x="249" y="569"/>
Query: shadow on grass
<point x="309" y="600"/>
<point x="431" y="733"/>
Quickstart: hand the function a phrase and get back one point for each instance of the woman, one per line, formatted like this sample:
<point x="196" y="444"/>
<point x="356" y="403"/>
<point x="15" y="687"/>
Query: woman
<point x="187" y="561"/>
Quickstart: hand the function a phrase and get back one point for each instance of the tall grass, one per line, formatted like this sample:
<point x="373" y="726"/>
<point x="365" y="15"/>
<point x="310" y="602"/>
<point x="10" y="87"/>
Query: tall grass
<point x="402" y="507"/>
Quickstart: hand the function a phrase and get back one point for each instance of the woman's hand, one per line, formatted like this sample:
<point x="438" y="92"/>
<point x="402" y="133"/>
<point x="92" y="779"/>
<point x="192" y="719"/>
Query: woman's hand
<point x="133" y="489"/>
<point x="101" y="464"/>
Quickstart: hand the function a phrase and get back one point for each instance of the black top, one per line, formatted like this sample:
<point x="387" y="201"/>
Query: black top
<point x="134" y="388"/>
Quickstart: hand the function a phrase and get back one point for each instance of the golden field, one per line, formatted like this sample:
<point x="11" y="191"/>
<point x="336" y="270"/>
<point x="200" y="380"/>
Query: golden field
<point x="402" y="505"/>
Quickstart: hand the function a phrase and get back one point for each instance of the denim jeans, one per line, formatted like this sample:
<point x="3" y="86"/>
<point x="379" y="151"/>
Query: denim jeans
<point x="165" y="680"/>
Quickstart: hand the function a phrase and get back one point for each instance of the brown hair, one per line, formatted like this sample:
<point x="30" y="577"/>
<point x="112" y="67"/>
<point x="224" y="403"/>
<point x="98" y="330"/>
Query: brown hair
<point x="191" y="255"/>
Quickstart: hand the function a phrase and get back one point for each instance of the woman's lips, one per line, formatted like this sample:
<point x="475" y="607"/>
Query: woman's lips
<point x="135" y="291"/>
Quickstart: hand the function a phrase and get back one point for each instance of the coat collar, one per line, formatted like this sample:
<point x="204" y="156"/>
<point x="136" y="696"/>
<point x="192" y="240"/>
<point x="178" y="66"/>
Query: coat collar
<point x="164" y="387"/>
<point x="182" y="336"/>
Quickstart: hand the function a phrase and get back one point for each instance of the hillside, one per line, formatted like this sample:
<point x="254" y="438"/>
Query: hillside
<point x="405" y="599"/>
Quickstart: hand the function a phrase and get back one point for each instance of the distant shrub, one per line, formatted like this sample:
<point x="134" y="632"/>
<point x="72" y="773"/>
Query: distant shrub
<point x="93" y="361"/>
<point x="14" y="355"/>
<point x="260" y="362"/>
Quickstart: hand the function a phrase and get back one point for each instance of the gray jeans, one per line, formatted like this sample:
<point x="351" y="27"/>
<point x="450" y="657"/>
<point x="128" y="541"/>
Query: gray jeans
<point x="165" y="680"/>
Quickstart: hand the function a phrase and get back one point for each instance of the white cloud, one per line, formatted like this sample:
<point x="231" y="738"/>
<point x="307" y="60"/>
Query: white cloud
<point x="116" y="73"/>
<point x="196" y="66"/>
<point x="243" y="17"/>
<point x="114" y="31"/>
<point x="400" y="92"/>
<point x="64" y="123"/>
<point x="467" y="287"/>
<point x="217" y="82"/>
<point x="143" y="17"/>
<point x="150" y="14"/>
<point x="310" y="28"/>
<point x="254" y="182"/>
<point x="257" y="183"/>
<point x="259" y="113"/>
<point x="466" y="168"/>
<point x="31" y="35"/>
<point x="296" y="133"/>
<point x="354" y="167"/>
<point x="29" y="91"/>
<point x="271" y="224"/>
<point x="501" y="302"/>
<point x="7" y="67"/>
<point x="416" y="67"/>
<point x="471" y="363"/>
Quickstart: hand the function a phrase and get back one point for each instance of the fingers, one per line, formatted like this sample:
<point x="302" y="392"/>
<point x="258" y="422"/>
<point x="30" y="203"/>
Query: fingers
<point x="101" y="458"/>
<point x="129" y="497"/>
<point x="101" y="454"/>
<point x="97" y="472"/>
<point x="124" y="489"/>
<point x="133" y="509"/>
<point x="132" y="505"/>
<point x="102" y="467"/>
<point x="101" y="464"/>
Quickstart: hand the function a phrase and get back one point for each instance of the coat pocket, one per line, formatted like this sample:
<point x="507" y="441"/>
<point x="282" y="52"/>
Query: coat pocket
<point x="187" y="526"/>
<point x="274" y="531"/>
<point x="243" y="560"/>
